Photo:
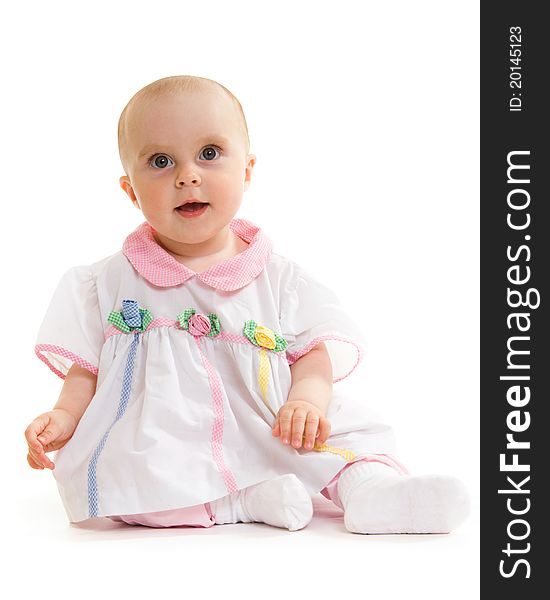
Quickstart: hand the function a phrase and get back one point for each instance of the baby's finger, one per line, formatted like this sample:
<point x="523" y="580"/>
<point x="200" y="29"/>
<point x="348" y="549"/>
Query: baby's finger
<point x="285" y="423"/>
<point x="35" y="429"/>
<point x="36" y="452"/>
<point x="47" y="462"/>
<point x="312" y="423"/>
<point x="50" y="434"/>
<point x="324" y="430"/>
<point x="35" y="449"/>
<point x="276" y="429"/>
<point x="33" y="463"/>
<point x="298" y="424"/>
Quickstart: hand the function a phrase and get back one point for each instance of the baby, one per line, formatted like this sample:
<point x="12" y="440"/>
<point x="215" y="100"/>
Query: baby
<point x="199" y="364"/>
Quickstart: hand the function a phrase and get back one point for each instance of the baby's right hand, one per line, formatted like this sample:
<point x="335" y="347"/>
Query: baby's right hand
<point x="49" y="431"/>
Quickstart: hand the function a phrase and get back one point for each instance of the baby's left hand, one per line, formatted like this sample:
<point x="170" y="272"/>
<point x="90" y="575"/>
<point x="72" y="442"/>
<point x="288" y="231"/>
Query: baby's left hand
<point x="298" y="416"/>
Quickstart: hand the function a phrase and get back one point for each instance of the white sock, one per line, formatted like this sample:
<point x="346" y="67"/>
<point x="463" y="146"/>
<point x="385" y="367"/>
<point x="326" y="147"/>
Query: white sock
<point x="280" y="502"/>
<point x="229" y="509"/>
<point x="377" y="499"/>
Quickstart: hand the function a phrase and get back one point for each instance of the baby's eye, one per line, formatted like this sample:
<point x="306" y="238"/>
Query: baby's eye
<point x="209" y="152"/>
<point x="160" y="161"/>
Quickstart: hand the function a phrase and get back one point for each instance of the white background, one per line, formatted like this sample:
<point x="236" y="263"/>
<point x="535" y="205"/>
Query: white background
<point x="364" y="117"/>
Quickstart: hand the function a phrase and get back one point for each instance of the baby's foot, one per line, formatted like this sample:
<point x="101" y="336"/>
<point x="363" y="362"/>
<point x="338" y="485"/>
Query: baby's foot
<point x="377" y="499"/>
<point x="281" y="502"/>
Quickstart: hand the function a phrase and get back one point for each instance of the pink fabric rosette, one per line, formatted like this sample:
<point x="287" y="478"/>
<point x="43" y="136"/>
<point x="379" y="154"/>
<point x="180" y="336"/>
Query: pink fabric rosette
<point x="199" y="324"/>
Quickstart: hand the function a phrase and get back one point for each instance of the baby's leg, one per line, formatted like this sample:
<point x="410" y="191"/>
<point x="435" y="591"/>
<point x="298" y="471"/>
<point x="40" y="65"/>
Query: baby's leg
<point x="377" y="498"/>
<point x="280" y="502"/>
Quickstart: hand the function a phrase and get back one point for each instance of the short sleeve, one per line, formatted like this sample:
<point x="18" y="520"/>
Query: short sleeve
<point x="71" y="331"/>
<point x="311" y="313"/>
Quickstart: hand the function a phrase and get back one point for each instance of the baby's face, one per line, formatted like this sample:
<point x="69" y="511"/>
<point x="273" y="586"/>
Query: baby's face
<point x="183" y="147"/>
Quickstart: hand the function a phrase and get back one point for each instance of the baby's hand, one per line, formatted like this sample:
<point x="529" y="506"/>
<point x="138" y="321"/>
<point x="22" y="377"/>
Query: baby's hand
<point x="49" y="431"/>
<point x="298" y="416"/>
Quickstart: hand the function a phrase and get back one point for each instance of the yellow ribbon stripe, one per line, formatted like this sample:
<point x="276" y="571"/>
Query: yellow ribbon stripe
<point x="263" y="376"/>
<point x="347" y="454"/>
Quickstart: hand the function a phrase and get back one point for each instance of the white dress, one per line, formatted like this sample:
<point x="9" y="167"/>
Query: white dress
<point x="192" y="369"/>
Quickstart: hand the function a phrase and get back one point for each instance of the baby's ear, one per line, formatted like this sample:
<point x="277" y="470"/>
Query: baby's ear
<point x="250" y="162"/>
<point x="126" y="185"/>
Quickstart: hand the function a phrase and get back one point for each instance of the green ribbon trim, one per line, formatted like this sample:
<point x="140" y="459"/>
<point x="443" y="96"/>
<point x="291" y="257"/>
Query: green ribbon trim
<point x="116" y="319"/>
<point x="183" y="318"/>
<point x="214" y="324"/>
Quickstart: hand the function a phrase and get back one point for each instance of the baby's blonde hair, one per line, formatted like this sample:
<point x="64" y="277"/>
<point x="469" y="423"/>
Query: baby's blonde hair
<point x="171" y="86"/>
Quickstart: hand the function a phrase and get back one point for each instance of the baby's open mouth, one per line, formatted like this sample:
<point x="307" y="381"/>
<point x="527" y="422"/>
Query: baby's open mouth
<point x="192" y="206"/>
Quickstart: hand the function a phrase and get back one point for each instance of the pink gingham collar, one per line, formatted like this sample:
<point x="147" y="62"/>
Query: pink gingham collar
<point x="160" y="268"/>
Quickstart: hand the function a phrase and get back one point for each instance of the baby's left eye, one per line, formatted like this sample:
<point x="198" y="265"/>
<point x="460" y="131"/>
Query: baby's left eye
<point x="209" y="152"/>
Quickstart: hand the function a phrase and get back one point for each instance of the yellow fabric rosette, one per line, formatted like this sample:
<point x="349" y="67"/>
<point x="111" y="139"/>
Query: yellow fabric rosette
<point x="265" y="337"/>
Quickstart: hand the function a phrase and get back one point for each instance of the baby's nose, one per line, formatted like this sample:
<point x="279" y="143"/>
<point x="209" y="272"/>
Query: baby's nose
<point x="189" y="177"/>
<point x="188" y="181"/>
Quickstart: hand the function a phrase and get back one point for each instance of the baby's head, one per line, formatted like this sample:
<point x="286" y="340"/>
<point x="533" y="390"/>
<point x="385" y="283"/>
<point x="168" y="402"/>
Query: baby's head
<point x="185" y="138"/>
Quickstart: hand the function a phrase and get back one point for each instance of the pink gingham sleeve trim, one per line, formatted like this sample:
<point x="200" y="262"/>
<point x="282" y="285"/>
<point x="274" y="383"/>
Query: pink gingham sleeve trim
<point x="292" y="357"/>
<point x="160" y="268"/>
<point x="41" y="350"/>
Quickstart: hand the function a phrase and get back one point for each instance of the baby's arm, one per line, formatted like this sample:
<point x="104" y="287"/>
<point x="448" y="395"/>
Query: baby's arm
<point x="303" y="414"/>
<point x="52" y="430"/>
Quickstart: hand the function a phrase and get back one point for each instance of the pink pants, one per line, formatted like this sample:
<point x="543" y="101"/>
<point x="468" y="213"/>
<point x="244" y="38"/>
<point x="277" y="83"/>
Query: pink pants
<point x="201" y="515"/>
